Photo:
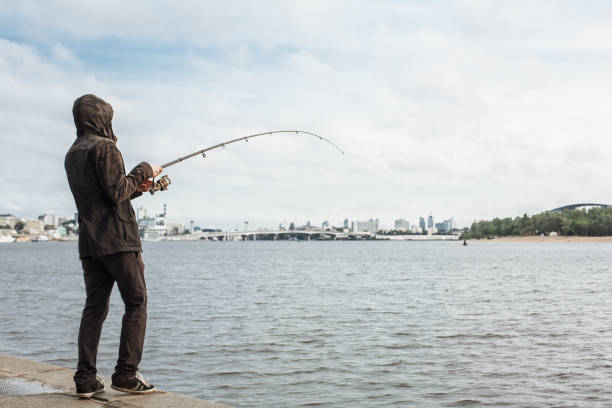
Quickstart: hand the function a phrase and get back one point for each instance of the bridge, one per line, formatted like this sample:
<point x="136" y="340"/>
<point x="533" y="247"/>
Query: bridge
<point x="577" y="206"/>
<point x="274" y="235"/>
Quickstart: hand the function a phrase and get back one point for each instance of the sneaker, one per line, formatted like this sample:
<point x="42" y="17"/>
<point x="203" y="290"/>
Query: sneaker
<point x="134" y="384"/>
<point x="88" y="392"/>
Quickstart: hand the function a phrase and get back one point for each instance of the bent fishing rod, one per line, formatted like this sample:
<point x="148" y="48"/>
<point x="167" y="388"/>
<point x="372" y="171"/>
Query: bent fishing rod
<point x="163" y="183"/>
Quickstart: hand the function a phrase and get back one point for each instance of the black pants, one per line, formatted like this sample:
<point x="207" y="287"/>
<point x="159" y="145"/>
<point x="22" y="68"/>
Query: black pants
<point x="101" y="273"/>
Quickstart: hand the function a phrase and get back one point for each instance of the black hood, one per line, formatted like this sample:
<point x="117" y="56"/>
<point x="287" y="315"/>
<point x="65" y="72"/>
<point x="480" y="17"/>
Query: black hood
<point x="94" y="116"/>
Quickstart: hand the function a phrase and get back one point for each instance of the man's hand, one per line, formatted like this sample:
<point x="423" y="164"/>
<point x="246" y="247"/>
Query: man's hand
<point x="145" y="186"/>
<point x="156" y="170"/>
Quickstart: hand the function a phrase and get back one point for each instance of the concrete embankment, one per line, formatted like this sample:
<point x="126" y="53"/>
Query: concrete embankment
<point x="28" y="384"/>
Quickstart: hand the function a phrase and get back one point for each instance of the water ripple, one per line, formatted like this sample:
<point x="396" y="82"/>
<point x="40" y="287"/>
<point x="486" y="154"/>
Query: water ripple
<point x="336" y="324"/>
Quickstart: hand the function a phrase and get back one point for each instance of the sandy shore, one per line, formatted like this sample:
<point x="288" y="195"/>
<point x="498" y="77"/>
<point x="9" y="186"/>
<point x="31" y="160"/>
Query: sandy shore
<point x="547" y="239"/>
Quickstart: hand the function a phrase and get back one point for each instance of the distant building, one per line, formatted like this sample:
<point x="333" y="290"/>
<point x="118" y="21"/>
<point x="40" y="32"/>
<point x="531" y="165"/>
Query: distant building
<point x="430" y="221"/>
<point x="422" y="223"/>
<point x="345" y="224"/>
<point x="7" y="232"/>
<point x="402" y="224"/>
<point x="370" y="226"/>
<point x="325" y="225"/>
<point x="141" y="213"/>
<point x="151" y="228"/>
<point x="56" y="232"/>
<point x="49" y="219"/>
<point x="34" y="227"/>
<point x="7" y="219"/>
<point x="174" y="228"/>
<point x="446" y="225"/>
<point x="68" y="225"/>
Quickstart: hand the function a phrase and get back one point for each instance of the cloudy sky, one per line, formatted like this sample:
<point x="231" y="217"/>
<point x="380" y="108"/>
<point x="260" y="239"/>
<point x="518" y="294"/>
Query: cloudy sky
<point x="467" y="109"/>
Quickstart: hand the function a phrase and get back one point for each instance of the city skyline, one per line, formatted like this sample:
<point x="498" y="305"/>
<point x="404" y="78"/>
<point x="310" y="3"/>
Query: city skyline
<point x="227" y="227"/>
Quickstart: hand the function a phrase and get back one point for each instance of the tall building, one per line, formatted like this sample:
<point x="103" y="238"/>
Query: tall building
<point x="430" y="221"/>
<point x="49" y="219"/>
<point x="446" y="225"/>
<point x="345" y="223"/>
<point x="451" y="223"/>
<point x="402" y="224"/>
<point x="422" y="223"/>
<point x="370" y="226"/>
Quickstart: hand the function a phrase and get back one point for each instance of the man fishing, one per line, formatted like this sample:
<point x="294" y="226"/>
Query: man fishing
<point x="109" y="245"/>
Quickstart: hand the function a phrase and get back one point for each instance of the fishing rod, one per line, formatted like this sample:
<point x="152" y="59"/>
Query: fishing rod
<point x="163" y="183"/>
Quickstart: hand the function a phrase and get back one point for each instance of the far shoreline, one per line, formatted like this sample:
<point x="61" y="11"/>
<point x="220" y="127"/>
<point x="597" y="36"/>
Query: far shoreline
<point x="537" y="238"/>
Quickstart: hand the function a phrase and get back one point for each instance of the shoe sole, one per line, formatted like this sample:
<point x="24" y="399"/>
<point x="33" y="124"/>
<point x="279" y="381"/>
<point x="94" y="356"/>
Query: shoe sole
<point x="88" y="394"/>
<point x="129" y="391"/>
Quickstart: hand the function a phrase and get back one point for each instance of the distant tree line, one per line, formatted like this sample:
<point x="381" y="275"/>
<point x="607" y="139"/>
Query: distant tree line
<point x="594" y="222"/>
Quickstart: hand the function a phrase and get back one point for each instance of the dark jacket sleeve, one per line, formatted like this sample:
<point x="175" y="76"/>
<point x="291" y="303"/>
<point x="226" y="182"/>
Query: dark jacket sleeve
<point x="111" y="173"/>
<point x="135" y="195"/>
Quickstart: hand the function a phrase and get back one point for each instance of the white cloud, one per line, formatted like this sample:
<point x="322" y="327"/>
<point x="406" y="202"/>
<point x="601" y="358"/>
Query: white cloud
<point x="463" y="108"/>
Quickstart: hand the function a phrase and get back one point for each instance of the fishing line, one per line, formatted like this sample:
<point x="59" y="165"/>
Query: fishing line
<point x="162" y="184"/>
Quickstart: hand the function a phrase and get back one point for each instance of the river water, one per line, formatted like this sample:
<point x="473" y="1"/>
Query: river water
<point x="339" y="324"/>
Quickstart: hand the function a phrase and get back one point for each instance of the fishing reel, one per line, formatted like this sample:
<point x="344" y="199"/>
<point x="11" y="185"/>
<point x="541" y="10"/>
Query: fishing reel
<point x="160" y="185"/>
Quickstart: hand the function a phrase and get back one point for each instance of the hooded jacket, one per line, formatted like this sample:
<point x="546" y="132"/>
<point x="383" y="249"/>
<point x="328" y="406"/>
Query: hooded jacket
<point x="101" y="189"/>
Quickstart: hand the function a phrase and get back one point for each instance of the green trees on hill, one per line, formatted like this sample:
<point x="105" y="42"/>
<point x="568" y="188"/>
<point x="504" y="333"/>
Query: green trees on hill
<point x="593" y="222"/>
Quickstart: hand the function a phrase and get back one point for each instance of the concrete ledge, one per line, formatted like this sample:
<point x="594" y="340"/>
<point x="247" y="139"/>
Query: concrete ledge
<point x="47" y="401"/>
<point x="19" y="366"/>
<point x="60" y="378"/>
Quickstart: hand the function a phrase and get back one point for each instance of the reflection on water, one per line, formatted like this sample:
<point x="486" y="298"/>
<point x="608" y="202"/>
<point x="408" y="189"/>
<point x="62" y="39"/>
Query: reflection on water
<point x="337" y="324"/>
